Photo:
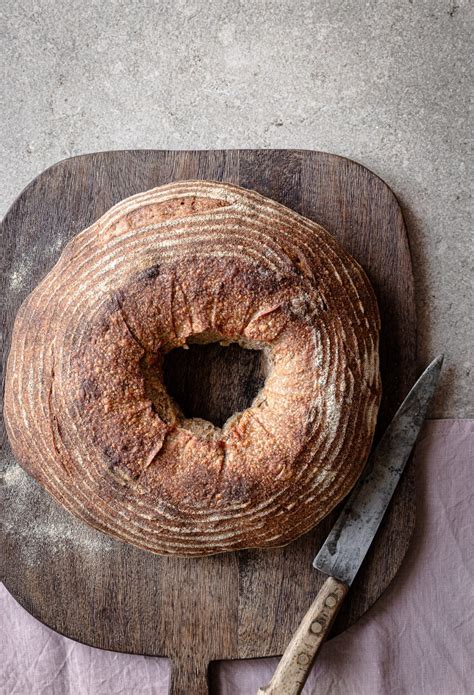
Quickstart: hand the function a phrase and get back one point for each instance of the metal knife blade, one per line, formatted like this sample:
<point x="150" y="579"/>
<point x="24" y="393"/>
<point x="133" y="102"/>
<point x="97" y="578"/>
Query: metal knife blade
<point x="346" y="546"/>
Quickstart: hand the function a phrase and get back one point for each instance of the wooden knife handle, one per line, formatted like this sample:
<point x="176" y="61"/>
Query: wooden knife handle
<point x="295" y="664"/>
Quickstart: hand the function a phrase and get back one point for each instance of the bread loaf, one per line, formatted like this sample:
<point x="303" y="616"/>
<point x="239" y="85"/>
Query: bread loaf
<point x="88" y="415"/>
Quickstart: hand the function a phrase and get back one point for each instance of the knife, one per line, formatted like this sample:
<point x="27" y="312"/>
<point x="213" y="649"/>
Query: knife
<point x="345" y="548"/>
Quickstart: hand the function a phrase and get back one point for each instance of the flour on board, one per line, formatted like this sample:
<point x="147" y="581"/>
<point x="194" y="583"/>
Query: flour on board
<point x="31" y="515"/>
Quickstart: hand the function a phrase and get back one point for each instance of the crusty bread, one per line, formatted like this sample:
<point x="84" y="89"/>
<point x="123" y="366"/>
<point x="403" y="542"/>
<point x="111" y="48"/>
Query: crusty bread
<point x="87" y="413"/>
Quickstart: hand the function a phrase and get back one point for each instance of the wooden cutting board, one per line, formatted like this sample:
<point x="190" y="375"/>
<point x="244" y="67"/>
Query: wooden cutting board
<point x="247" y="604"/>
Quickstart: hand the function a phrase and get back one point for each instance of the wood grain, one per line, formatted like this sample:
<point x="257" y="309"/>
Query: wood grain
<point x="247" y="604"/>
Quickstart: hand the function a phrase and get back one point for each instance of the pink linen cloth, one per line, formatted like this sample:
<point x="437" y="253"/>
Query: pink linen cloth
<point x="417" y="639"/>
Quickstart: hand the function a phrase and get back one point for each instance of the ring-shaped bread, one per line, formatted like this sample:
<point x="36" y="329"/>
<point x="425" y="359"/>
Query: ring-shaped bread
<point x="89" y="417"/>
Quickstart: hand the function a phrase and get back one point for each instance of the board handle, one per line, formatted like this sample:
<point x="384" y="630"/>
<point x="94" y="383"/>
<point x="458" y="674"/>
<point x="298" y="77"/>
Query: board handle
<point x="295" y="664"/>
<point x="189" y="677"/>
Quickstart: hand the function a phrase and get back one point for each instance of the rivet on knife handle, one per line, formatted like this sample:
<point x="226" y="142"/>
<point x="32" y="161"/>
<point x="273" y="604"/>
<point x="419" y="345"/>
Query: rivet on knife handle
<point x="295" y="664"/>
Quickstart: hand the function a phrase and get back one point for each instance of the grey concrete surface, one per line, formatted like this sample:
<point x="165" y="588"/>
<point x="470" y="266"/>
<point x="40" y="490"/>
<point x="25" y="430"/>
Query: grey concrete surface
<point x="386" y="83"/>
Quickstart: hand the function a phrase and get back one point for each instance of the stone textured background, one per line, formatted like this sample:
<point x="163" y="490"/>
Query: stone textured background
<point x="386" y="83"/>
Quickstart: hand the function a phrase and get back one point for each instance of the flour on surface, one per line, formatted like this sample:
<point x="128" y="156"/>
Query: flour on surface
<point x="31" y="515"/>
<point x="19" y="276"/>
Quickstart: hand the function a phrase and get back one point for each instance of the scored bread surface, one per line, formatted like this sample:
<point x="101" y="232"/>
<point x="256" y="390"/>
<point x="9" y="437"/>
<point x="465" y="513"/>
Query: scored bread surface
<point x="86" y="410"/>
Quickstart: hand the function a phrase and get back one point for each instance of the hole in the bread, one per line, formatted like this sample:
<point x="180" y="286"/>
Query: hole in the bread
<point x="212" y="382"/>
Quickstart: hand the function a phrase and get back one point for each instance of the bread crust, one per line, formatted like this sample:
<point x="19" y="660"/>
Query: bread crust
<point x="87" y="414"/>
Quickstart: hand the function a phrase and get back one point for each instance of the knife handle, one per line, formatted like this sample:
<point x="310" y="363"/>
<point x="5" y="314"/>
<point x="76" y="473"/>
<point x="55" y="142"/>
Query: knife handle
<point x="295" y="664"/>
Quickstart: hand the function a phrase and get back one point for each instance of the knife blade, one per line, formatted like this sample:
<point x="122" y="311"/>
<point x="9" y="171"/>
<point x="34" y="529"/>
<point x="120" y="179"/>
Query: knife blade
<point x="345" y="548"/>
<point x="351" y="536"/>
